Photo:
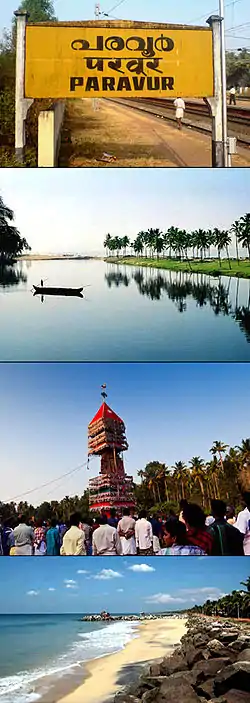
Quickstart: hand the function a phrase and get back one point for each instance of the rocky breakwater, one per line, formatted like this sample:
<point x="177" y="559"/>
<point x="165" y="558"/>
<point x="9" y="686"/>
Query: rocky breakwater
<point x="104" y="617"/>
<point x="211" y="664"/>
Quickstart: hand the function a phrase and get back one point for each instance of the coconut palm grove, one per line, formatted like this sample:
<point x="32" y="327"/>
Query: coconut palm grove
<point x="232" y="605"/>
<point x="186" y="247"/>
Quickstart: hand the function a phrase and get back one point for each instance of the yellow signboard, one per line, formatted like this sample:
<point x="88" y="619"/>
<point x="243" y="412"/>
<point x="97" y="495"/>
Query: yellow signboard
<point x="64" y="60"/>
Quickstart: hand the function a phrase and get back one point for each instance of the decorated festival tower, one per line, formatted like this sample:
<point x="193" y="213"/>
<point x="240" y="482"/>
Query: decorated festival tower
<point x="107" y="439"/>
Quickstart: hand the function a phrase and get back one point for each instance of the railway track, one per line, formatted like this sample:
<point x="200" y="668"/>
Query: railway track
<point x="164" y="109"/>
<point x="241" y="115"/>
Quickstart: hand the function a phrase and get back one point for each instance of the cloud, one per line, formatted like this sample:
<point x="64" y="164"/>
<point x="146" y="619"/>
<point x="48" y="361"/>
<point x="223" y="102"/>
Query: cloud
<point x="144" y="568"/>
<point x="106" y="574"/>
<point x="120" y="590"/>
<point x="69" y="581"/>
<point x="82" y="571"/>
<point x="163" y="598"/>
<point x="32" y="593"/>
<point x="51" y="589"/>
<point x="71" y="585"/>
<point x="210" y="592"/>
<point x="187" y="595"/>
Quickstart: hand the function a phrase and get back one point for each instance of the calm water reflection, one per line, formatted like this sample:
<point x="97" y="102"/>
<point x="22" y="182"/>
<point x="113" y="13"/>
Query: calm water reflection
<point x="127" y="314"/>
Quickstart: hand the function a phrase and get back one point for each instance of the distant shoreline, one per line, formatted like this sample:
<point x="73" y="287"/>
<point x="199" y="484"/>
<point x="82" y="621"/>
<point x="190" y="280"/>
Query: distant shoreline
<point x="57" y="257"/>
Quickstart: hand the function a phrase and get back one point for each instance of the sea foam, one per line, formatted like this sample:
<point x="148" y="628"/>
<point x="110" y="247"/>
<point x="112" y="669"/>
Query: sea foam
<point x="29" y="686"/>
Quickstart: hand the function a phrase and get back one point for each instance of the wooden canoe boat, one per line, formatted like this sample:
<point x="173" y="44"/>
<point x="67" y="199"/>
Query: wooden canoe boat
<point x="45" y="290"/>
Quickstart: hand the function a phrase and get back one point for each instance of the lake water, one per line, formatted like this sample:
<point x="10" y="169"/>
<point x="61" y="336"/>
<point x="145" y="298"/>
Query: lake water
<point x="127" y="314"/>
<point x="44" y="654"/>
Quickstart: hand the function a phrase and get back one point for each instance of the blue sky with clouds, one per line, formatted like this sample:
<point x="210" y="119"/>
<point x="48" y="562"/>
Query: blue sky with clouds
<point x="237" y="12"/>
<point x="91" y="584"/>
<point x="171" y="411"/>
<point x="88" y="203"/>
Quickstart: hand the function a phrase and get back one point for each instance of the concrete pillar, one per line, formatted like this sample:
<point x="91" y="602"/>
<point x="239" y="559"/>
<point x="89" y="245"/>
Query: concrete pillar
<point x="216" y="103"/>
<point x="46" y="139"/>
<point x="21" y="104"/>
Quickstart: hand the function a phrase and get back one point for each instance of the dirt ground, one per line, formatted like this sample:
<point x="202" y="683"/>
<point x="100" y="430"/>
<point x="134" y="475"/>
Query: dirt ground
<point x="94" y="127"/>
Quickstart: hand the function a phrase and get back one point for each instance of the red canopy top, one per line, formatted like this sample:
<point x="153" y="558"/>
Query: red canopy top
<point x="105" y="413"/>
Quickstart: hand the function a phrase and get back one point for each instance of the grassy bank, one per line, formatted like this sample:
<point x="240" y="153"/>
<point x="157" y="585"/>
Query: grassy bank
<point x="212" y="267"/>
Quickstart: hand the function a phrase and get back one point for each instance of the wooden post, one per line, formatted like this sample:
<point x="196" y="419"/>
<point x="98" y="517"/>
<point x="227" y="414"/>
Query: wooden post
<point x="21" y="104"/>
<point x="216" y="103"/>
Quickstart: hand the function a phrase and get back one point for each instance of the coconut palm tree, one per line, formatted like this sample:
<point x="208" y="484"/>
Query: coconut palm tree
<point x="125" y="243"/>
<point x="181" y="477"/>
<point x="222" y="240"/>
<point x="218" y="448"/>
<point x="170" y="239"/>
<point x="198" y="474"/>
<point x="246" y="584"/>
<point x="138" y="245"/>
<point x="236" y="230"/>
<point x="244" y="235"/>
<point x="106" y="243"/>
<point x="212" y="478"/>
<point x="226" y="240"/>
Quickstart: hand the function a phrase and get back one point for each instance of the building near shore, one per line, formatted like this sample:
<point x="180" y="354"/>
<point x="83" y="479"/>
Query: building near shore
<point x="107" y="439"/>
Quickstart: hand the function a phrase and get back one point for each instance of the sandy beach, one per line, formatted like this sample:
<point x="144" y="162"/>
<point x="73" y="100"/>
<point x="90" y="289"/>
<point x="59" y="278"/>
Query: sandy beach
<point x="106" y="675"/>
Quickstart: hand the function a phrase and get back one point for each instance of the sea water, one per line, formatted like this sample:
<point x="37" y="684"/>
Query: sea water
<point x="36" y="650"/>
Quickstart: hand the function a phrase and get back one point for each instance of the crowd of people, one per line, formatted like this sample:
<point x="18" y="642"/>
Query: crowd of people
<point x="191" y="532"/>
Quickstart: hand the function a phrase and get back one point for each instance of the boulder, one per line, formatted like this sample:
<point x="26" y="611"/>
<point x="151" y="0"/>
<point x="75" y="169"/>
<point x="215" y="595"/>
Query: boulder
<point x="234" y="676"/>
<point x="216" y="648"/>
<point x="175" y="662"/>
<point x="244" y="655"/>
<point x="228" y="636"/>
<point x="154" y="669"/>
<point x="236" y="696"/>
<point x="206" y="689"/>
<point x="152" y="681"/>
<point x="172" y="691"/>
<point x="136" y="689"/>
<point x="205" y="669"/>
<point x="149" y="696"/>
<point x="193" y="655"/>
<point x="188" y="676"/>
<point x="201" y="639"/>
<point x="242" y="642"/>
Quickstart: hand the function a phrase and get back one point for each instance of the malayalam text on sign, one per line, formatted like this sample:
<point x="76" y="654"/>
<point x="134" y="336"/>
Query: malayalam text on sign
<point x="83" y="61"/>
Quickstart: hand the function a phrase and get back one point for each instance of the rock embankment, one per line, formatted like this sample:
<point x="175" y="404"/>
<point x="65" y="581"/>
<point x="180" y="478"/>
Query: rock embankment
<point x="212" y="664"/>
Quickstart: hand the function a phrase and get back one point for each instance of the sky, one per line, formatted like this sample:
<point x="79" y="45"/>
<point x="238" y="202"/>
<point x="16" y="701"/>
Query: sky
<point x="84" y="585"/>
<point x="237" y="13"/>
<point x="171" y="411"/>
<point x="72" y="210"/>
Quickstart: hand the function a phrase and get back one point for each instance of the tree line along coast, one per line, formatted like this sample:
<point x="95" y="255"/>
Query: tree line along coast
<point x="178" y="249"/>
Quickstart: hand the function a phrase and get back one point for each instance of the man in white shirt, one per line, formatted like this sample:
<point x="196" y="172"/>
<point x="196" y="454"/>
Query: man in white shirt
<point x="243" y="523"/>
<point x="74" y="539"/>
<point x="126" y="532"/>
<point x="232" y="96"/>
<point x="144" y="535"/>
<point x="24" y="538"/>
<point x="179" y="111"/>
<point x="106" y="541"/>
